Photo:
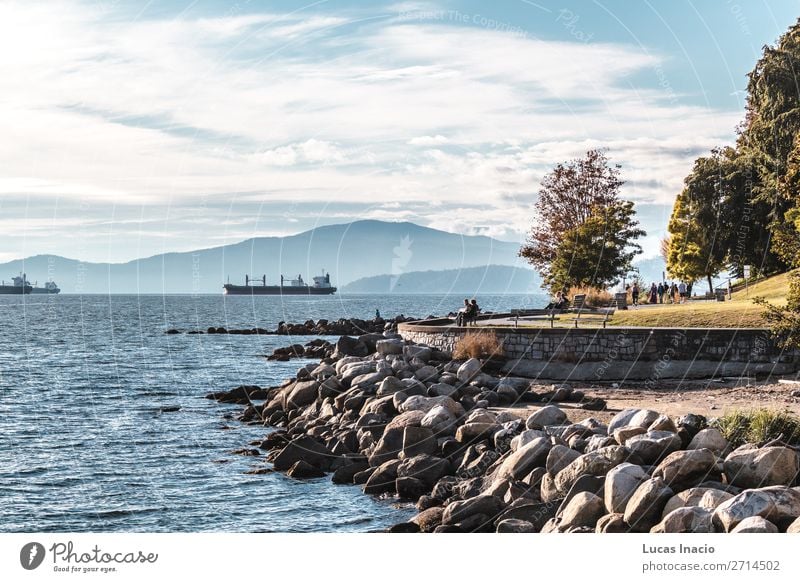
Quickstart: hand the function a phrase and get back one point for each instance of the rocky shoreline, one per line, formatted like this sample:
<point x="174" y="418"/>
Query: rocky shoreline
<point x="338" y="327"/>
<point x="407" y="420"/>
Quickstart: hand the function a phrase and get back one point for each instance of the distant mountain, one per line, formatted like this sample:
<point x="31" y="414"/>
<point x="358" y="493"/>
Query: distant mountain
<point x="491" y="279"/>
<point x="348" y="251"/>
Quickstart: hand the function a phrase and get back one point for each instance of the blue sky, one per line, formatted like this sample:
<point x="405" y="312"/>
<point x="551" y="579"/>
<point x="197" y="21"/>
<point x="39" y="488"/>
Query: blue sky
<point x="133" y="128"/>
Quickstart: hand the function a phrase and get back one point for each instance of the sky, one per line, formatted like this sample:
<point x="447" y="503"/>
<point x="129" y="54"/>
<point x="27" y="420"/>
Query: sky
<point x="135" y="128"/>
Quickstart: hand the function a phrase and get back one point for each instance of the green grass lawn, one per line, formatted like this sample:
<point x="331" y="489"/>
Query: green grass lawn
<point x="739" y="312"/>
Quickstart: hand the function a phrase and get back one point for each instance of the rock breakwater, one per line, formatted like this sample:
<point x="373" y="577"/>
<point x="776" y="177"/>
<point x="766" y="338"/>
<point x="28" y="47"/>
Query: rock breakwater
<point x="401" y="419"/>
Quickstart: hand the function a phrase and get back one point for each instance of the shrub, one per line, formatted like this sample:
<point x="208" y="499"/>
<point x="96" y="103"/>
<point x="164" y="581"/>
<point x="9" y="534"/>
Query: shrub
<point x="481" y="344"/>
<point x="758" y="426"/>
<point x="594" y="297"/>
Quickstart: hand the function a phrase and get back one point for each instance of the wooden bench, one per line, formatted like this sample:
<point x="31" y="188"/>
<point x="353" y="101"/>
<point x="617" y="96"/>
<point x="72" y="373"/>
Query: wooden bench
<point x="548" y="314"/>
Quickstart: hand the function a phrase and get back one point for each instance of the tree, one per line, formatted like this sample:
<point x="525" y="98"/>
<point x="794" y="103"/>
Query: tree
<point x="583" y="235"/>
<point x="697" y="242"/>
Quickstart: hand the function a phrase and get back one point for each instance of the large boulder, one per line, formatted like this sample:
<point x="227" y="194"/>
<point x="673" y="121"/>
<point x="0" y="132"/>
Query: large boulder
<point x="350" y="346"/>
<point x="794" y="527"/>
<point x="787" y="504"/>
<point x="425" y="403"/>
<point x="390" y="385"/>
<point x="302" y="394"/>
<point x="703" y="497"/>
<point x="468" y="370"/>
<point x="583" y="510"/>
<point x="440" y="420"/>
<point x="515" y="526"/>
<point x="521" y="462"/>
<point x="382" y="479"/>
<point x="418" y="440"/>
<point x="429" y="519"/>
<point x="645" y="507"/>
<point x="388" y="447"/>
<point x="426" y="468"/>
<point x="474" y="431"/>
<point x="303" y="470"/>
<point x="751" y="467"/>
<point x="546" y="416"/>
<point x="388" y="347"/>
<point x="303" y="448"/>
<point x="683" y="469"/>
<point x="711" y="439"/>
<point x="686" y="520"/>
<point x="596" y="463"/>
<point x="486" y="506"/>
<point x="621" y="483"/>
<point x="422" y="353"/>
<point x="426" y="374"/>
<point x="410" y="418"/>
<point x="559" y="458"/>
<point x="755" y="524"/>
<point x="752" y="502"/>
<point x="632" y="417"/>
<point x="653" y="445"/>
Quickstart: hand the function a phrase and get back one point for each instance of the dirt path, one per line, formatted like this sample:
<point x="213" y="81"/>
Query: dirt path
<point x="675" y="399"/>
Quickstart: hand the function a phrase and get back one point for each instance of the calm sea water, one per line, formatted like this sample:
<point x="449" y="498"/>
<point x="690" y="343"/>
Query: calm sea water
<point x="85" y="443"/>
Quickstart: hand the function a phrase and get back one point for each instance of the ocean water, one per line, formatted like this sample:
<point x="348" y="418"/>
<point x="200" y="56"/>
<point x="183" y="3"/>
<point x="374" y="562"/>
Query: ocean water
<point x="87" y="441"/>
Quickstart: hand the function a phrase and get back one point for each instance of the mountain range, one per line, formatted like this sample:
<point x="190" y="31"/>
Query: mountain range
<point x="489" y="279"/>
<point x="349" y="252"/>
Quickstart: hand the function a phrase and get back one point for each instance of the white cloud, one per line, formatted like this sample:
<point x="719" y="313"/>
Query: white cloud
<point x="288" y="107"/>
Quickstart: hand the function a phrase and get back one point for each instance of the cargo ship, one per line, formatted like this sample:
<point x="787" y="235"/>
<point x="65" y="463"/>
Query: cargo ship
<point x="19" y="286"/>
<point x="321" y="286"/>
<point x="50" y="288"/>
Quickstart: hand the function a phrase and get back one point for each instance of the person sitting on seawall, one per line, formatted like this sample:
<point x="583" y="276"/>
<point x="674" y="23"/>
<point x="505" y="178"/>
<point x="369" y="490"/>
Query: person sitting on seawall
<point x="461" y="316"/>
<point x="472" y="314"/>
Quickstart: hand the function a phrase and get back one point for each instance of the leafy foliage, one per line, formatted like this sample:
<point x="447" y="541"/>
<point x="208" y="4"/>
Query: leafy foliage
<point x="584" y="234"/>
<point x="759" y="426"/>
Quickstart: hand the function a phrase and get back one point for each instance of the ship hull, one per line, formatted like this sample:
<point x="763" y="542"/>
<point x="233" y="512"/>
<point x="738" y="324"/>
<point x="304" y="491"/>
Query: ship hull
<point x="276" y="290"/>
<point x="14" y="290"/>
<point x="41" y="291"/>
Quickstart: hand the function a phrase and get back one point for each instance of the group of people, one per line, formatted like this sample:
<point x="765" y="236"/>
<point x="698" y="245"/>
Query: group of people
<point x="560" y="301"/>
<point x="468" y="315"/>
<point x="662" y="293"/>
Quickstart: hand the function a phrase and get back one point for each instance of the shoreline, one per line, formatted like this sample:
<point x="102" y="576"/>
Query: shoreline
<point x="477" y="450"/>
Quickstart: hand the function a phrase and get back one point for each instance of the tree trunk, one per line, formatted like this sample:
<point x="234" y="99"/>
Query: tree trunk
<point x="710" y="285"/>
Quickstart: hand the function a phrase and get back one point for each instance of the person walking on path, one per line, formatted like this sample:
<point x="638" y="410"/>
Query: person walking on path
<point x="635" y="293"/>
<point x="673" y="291"/>
<point x="682" y="291"/>
<point x="661" y="292"/>
<point x="653" y="294"/>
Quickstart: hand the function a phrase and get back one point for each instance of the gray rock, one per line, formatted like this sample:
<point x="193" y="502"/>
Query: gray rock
<point x="468" y="370"/>
<point x="711" y="439"/>
<point x="302" y="394"/>
<point x="425" y="403"/>
<point x="546" y="416"/>
<point x="427" y="374"/>
<point x="683" y="469"/>
<point x="755" y="524"/>
<point x="653" y="446"/>
<point x="468" y="433"/>
<point x="584" y="509"/>
<point x="429" y="519"/>
<point x="426" y="468"/>
<point x="390" y="385"/>
<point x="685" y="520"/>
<point x="632" y="417"/>
<point x="787" y="504"/>
<point x="521" y="462"/>
<point x="525" y="437"/>
<point x="382" y="479"/>
<point x="515" y="526"/>
<point x="410" y="418"/>
<point x="646" y="505"/>
<point x="423" y="353"/>
<point x="621" y="483"/>
<point x="663" y="422"/>
<point x="751" y="468"/>
<point x="750" y="503"/>
<point x="703" y="497"/>
<point x="621" y="435"/>
<point x="388" y="447"/>
<point x="410" y="488"/>
<point x="595" y="463"/>
<point x="442" y="389"/>
<point x="794" y="527"/>
<point x="559" y="458"/>
<point x="387" y="347"/>
<point x="350" y="346"/>
<point x="612" y="523"/>
<point x="302" y="470"/>
<point x="418" y="440"/>
<point x="485" y="505"/>
<point x="440" y="420"/>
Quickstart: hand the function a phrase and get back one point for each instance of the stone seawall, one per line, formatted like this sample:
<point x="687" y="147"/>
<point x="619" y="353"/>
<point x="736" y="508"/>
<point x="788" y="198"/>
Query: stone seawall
<point x="631" y="353"/>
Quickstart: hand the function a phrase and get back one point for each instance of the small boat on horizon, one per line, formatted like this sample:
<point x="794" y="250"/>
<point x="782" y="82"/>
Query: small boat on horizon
<point x="321" y="286"/>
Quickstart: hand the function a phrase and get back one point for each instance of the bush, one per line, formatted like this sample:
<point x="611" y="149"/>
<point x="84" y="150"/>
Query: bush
<point x="758" y="426"/>
<point x="594" y="297"/>
<point x="481" y="344"/>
